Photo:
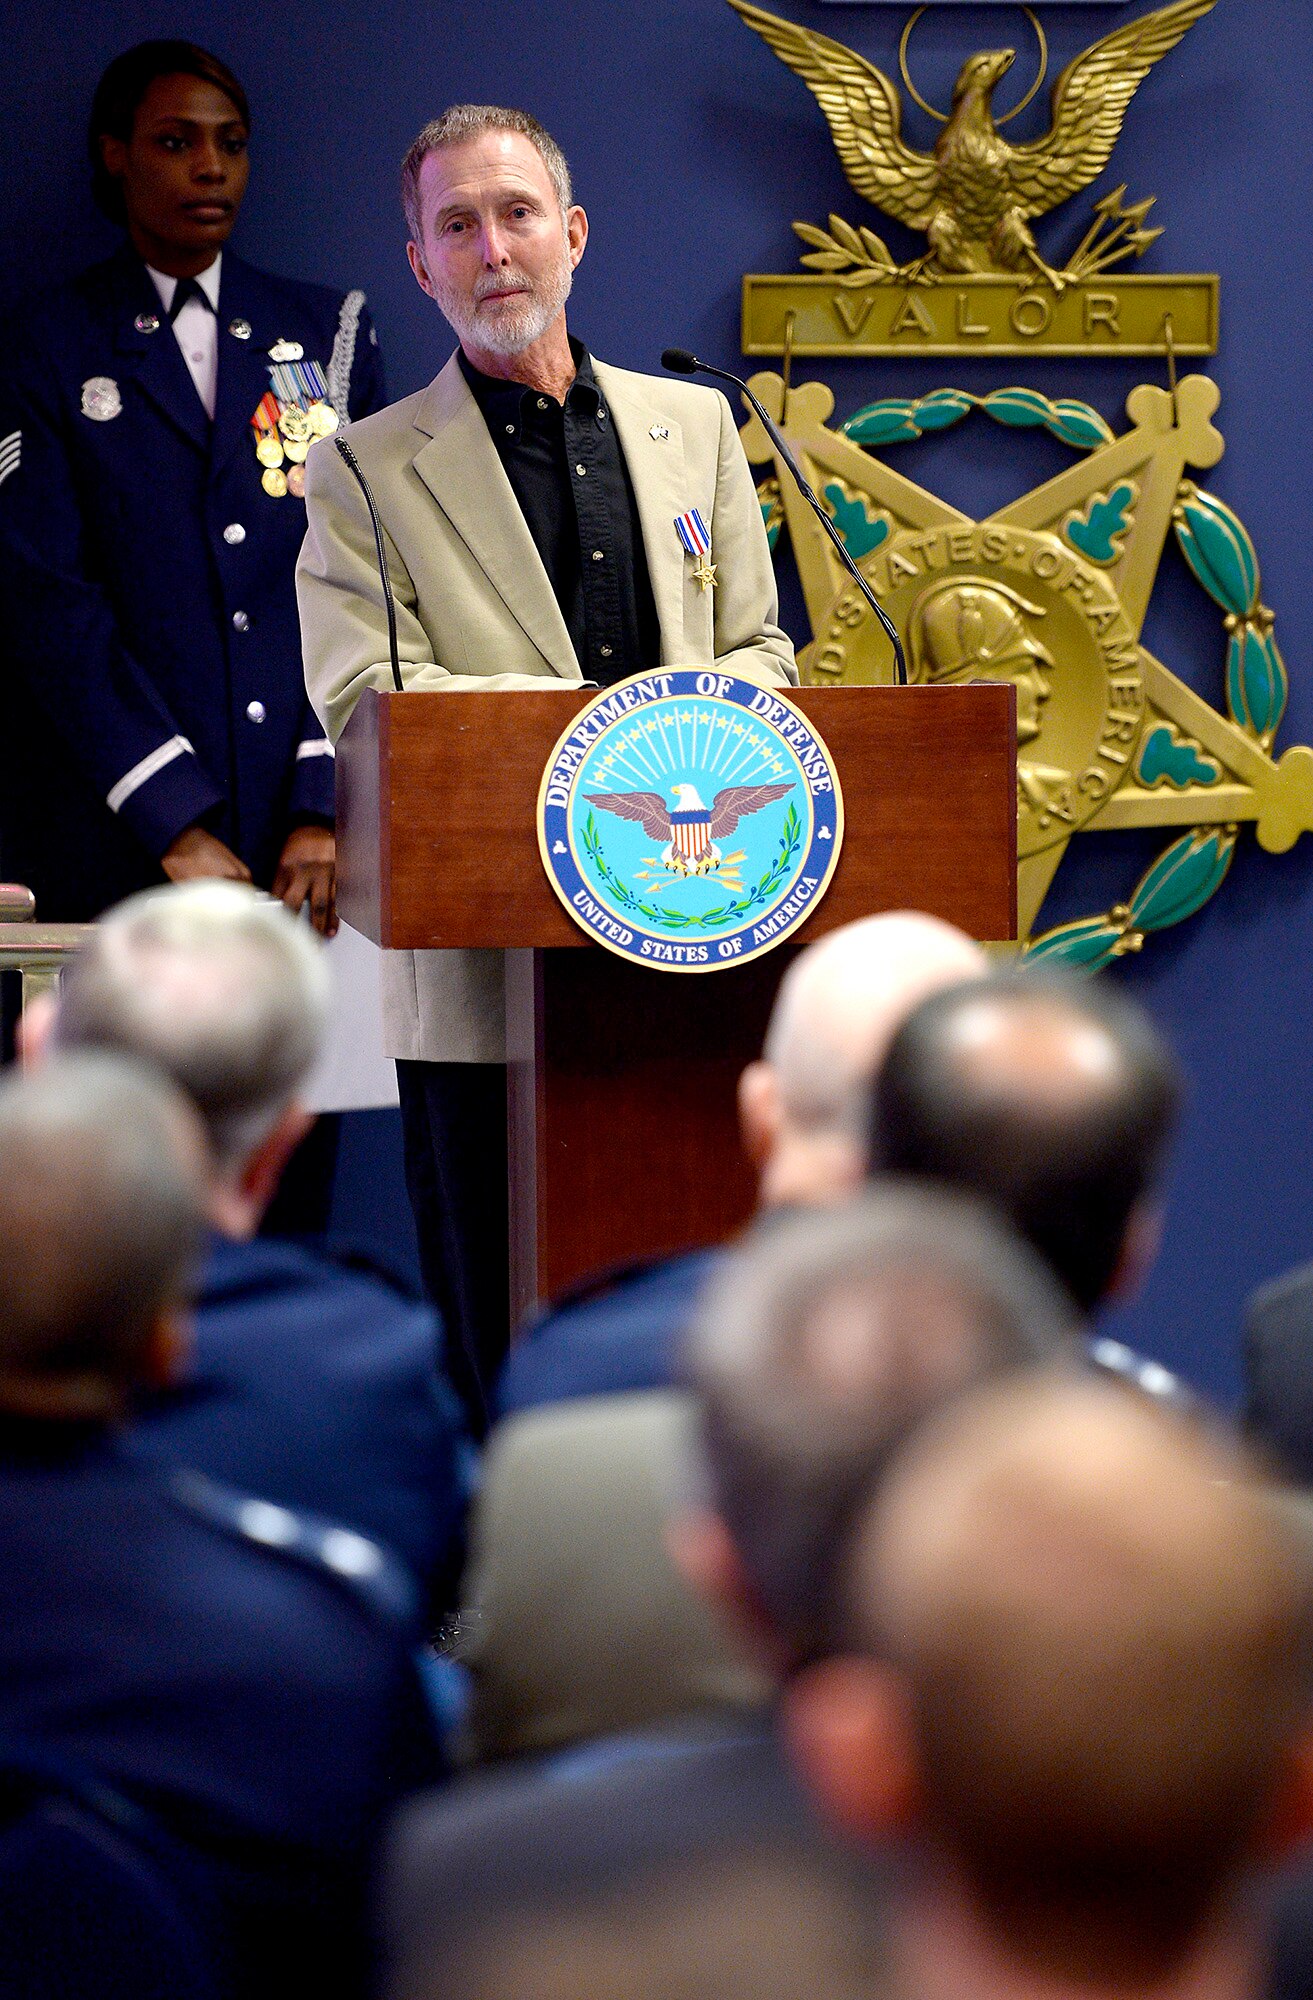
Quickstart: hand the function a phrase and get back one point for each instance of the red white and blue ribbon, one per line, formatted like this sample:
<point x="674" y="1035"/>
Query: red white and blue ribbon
<point x="694" y="533"/>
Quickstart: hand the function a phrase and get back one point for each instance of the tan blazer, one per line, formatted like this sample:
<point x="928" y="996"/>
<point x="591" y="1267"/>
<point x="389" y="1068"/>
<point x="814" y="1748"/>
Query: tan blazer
<point x="475" y="607"/>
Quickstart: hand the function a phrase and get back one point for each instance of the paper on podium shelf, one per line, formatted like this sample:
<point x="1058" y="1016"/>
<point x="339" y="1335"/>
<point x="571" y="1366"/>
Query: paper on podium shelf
<point x="352" y="1073"/>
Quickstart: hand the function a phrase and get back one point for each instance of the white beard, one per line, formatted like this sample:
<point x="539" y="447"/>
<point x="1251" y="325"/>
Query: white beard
<point x="518" y="323"/>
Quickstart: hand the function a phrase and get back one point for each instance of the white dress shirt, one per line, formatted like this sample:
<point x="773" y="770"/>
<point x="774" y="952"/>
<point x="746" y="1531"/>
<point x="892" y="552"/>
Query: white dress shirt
<point x="196" y="330"/>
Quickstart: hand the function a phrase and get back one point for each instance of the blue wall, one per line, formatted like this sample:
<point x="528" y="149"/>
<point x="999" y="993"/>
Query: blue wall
<point x="693" y="151"/>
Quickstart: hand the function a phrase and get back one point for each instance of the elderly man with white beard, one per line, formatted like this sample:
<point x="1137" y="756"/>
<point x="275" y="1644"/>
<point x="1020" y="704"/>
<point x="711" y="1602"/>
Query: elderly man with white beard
<point x="530" y="499"/>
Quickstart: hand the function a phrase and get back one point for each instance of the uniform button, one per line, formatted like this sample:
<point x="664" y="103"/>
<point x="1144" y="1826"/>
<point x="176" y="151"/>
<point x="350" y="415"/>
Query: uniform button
<point x="234" y="533"/>
<point x="605" y="651"/>
<point x="255" y="711"/>
<point x="542" y="402"/>
<point x="601" y="416"/>
<point x="582" y="470"/>
<point x="510" y="430"/>
<point x="598" y="556"/>
<point x="241" y="621"/>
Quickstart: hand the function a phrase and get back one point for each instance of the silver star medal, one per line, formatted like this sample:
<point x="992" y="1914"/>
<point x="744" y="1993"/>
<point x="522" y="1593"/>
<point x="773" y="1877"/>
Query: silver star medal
<point x="101" y="399"/>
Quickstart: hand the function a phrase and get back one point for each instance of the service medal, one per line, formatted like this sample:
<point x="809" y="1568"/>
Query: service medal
<point x="269" y="451"/>
<point x="296" y="481"/>
<point x="323" y="419"/>
<point x="296" y="448"/>
<point x="294" y="424"/>
<point x="274" y="482"/>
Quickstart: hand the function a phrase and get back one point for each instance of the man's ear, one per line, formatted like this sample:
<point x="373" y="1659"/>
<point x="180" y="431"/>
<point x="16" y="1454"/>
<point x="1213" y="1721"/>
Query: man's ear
<point x="167" y="1347"/>
<point x="760" y="1112"/>
<point x="35" y="1026"/>
<point x="415" y="258"/>
<point x="1141" y="1242"/>
<point x="576" y="233"/>
<point x="264" y="1168"/>
<point x="702" y="1550"/>
<point x="849" y="1734"/>
<point x="1289" y="1824"/>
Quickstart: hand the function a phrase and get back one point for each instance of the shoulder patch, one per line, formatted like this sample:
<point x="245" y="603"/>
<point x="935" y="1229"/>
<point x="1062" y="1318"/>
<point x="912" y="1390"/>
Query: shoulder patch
<point x="368" y="1573"/>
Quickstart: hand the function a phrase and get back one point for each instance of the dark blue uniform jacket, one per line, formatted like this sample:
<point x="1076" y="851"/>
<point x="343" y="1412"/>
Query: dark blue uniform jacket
<point x="149" y="643"/>
<point x="617" y="1333"/>
<point x="319" y="1387"/>
<point x="238" y="1672"/>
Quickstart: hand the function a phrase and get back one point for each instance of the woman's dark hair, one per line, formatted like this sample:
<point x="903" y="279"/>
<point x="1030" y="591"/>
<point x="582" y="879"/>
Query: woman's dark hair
<point x="120" y="91"/>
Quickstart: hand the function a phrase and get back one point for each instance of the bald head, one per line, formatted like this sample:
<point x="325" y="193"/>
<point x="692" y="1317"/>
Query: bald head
<point x="806" y="1104"/>
<point x="101" y="1182"/>
<point x="1103" y="1634"/>
<point x="1049" y="1097"/>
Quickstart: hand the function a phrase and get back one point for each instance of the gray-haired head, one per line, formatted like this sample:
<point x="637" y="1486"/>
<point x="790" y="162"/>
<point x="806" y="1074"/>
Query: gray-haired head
<point x="823" y="1341"/>
<point x="469" y="121"/>
<point x="101" y="1184"/>
<point x="214" y="984"/>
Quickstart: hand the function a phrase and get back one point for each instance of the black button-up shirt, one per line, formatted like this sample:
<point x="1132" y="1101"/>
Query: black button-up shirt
<point x="569" y="475"/>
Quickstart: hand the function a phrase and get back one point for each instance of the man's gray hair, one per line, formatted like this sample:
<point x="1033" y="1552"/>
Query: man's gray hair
<point x="101" y="1187"/>
<point x="822" y="1341"/>
<point x="469" y="121"/>
<point x="215" y="984"/>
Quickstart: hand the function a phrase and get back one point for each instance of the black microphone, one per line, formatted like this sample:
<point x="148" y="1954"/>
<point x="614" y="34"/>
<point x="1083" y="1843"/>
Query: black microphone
<point x="352" y="464"/>
<point x="680" y="362"/>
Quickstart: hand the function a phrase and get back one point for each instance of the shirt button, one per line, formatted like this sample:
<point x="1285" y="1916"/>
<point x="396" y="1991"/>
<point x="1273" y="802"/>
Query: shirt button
<point x="255" y="711"/>
<point x="241" y="621"/>
<point x="598" y="555"/>
<point x="234" y="533"/>
<point x="582" y="470"/>
<point x="605" y="651"/>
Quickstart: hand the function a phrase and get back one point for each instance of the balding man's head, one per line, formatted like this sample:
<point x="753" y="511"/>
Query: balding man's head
<point x="101" y="1181"/>
<point x="215" y="985"/>
<point x="1051" y="1098"/>
<point x="805" y="1105"/>
<point x="822" y="1341"/>
<point x="1101" y="1634"/>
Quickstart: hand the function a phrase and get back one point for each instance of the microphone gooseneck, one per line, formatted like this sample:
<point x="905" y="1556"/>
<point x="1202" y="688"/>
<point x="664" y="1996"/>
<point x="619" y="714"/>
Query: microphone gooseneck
<point x="680" y="362"/>
<point x="352" y="464"/>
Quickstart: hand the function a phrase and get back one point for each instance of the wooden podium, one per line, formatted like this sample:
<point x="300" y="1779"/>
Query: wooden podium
<point x="623" y="1133"/>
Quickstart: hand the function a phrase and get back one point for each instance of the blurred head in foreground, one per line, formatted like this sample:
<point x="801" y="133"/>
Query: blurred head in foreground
<point x="223" y="991"/>
<point x="804" y="1105"/>
<point x="101" y="1186"/>
<point x="1077" y="1675"/>
<point x="823" y="1341"/>
<point x="763" y="1927"/>
<point x="1052" y="1099"/>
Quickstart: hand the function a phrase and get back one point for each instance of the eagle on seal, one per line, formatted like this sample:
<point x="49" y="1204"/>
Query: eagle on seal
<point x="689" y="828"/>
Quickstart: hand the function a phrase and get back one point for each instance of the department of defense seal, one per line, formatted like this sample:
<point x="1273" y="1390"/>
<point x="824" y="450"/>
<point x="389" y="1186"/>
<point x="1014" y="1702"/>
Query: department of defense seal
<point x="690" y="820"/>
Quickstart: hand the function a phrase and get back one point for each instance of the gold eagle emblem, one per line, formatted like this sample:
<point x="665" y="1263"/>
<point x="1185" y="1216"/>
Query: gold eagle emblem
<point x="976" y="195"/>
